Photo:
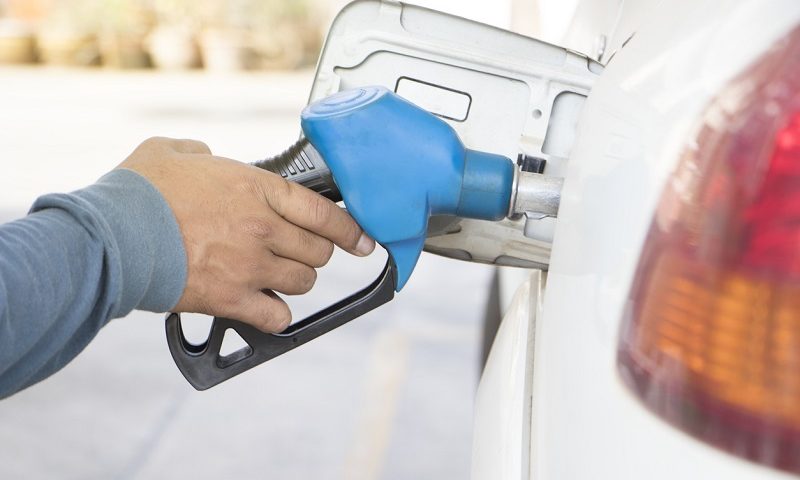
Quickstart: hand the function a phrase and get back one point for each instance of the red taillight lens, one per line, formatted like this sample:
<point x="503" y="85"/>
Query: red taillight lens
<point x="711" y="340"/>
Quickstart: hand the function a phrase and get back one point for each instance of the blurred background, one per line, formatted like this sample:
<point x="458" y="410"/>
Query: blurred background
<point x="214" y="35"/>
<point x="163" y="34"/>
<point x="388" y="396"/>
<point x="183" y="34"/>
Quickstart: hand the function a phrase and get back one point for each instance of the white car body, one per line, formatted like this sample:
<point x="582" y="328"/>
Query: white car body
<point x="551" y="403"/>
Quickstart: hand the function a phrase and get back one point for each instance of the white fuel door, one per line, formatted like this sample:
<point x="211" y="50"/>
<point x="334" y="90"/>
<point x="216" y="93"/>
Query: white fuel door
<point x="502" y="92"/>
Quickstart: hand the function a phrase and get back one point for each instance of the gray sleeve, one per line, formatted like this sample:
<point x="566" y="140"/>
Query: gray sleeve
<point x="77" y="261"/>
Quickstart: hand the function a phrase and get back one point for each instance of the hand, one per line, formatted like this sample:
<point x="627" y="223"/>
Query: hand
<point x="248" y="233"/>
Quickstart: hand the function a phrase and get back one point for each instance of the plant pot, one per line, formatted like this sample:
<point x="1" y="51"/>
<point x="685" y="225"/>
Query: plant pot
<point x="68" y="48"/>
<point x="173" y="48"/>
<point x="124" y="50"/>
<point x="17" y="43"/>
<point x="226" y="51"/>
<point x="281" y="48"/>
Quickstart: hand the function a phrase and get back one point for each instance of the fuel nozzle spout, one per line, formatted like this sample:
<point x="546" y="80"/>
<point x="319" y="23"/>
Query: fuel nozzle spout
<point x="535" y="193"/>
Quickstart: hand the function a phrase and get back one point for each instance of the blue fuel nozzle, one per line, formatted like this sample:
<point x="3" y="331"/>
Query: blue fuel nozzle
<point x="396" y="164"/>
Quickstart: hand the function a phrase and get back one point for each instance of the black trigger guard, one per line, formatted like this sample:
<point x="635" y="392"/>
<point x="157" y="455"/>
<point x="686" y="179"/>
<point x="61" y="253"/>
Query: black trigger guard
<point x="204" y="367"/>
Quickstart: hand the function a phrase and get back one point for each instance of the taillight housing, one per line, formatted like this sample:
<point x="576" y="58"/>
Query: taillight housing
<point x="711" y="335"/>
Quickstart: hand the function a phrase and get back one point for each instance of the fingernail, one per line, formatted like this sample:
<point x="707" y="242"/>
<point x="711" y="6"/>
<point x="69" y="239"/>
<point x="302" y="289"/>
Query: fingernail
<point x="365" y="245"/>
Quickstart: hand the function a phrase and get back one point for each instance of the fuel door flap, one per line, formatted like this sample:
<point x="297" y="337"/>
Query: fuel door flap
<point x="502" y="92"/>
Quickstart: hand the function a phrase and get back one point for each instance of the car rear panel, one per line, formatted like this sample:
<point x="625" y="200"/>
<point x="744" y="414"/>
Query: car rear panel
<point x="641" y="114"/>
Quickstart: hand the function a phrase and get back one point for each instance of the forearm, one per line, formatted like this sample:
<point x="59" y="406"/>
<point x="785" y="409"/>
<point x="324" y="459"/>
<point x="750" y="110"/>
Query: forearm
<point x="78" y="261"/>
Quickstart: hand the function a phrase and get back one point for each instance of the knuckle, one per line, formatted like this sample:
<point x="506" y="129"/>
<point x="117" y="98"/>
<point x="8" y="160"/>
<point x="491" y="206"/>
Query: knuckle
<point x="149" y="142"/>
<point x="319" y="211"/>
<point x="154" y="143"/>
<point x="319" y="249"/>
<point x="195" y="146"/>
<point x="305" y="240"/>
<point x="304" y="279"/>
<point x="279" y="186"/>
<point x="250" y="185"/>
<point x="274" y="189"/>
<point x="147" y="146"/>
<point x="258" y="228"/>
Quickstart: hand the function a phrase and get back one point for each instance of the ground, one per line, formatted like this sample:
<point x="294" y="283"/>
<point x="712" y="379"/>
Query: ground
<point x="388" y="396"/>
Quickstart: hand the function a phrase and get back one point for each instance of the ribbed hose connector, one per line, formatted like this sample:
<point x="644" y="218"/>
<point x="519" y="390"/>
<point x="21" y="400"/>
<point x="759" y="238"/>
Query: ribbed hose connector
<point x="302" y="164"/>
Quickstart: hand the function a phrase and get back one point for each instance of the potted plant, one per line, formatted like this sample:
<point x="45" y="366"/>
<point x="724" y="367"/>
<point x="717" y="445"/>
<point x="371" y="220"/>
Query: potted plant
<point x="243" y="34"/>
<point x="226" y="40"/>
<point x="289" y="36"/>
<point x="172" y="43"/>
<point x="67" y="36"/>
<point x="17" y="42"/>
<point x="122" y="33"/>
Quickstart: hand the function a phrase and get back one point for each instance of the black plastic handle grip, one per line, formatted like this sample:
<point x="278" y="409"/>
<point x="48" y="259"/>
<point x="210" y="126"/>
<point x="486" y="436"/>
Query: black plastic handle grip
<point x="204" y="366"/>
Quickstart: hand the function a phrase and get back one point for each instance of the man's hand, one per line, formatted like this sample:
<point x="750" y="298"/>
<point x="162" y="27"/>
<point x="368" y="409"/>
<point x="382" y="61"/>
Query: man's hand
<point x="248" y="233"/>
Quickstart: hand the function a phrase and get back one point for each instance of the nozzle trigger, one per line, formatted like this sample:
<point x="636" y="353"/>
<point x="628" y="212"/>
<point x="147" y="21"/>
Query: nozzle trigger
<point x="204" y="366"/>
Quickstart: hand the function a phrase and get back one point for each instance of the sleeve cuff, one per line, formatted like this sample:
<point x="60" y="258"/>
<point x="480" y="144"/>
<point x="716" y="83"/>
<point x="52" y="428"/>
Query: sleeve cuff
<point x="146" y="236"/>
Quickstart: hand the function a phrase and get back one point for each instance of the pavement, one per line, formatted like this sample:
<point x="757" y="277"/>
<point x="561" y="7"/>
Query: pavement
<point x="388" y="396"/>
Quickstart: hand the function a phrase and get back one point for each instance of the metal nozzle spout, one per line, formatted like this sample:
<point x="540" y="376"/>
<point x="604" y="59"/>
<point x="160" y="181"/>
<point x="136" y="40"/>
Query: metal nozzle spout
<point x="536" y="193"/>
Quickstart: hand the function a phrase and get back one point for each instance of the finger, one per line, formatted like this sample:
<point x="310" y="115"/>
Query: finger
<point x="284" y="276"/>
<point x="266" y="311"/>
<point x="298" y="244"/>
<point x="317" y="214"/>
<point x="287" y="240"/>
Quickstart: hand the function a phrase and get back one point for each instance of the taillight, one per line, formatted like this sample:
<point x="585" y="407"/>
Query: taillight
<point x="711" y="336"/>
